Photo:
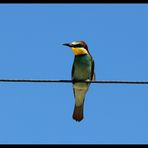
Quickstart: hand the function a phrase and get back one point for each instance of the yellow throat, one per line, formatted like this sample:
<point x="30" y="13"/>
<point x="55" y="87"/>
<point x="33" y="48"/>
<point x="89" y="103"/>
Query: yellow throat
<point x="79" y="50"/>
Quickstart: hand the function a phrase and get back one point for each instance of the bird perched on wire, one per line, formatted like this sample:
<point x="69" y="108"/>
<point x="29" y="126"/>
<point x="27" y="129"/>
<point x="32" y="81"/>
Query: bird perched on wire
<point x="82" y="69"/>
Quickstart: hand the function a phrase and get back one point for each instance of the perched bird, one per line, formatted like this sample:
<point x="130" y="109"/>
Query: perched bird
<point x="82" y="69"/>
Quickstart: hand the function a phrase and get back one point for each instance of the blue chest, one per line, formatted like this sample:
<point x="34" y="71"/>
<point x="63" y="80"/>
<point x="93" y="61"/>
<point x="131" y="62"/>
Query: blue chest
<point x="82" y="67"/>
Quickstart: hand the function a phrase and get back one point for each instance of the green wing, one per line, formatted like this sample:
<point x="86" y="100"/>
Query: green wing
<point x="92" y="71"/>
<point x="72" y="76"/>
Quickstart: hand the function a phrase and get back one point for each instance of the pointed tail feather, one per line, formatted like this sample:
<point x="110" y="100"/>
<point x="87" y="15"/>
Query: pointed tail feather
<point x="78" y="112"/>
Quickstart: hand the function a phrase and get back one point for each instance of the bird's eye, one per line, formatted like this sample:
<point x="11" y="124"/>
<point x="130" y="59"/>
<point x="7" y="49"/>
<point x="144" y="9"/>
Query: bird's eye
<point x="78" y="45"/>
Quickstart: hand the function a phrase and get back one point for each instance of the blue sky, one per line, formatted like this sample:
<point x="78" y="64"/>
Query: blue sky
<point x="31" y="38"/>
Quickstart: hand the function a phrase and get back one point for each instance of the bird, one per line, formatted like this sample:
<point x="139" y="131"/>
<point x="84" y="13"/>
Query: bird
<point x="82" y="69"/>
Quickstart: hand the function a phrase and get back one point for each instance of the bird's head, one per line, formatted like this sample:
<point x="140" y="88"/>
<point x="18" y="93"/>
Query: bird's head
<point x="78" y="47"/>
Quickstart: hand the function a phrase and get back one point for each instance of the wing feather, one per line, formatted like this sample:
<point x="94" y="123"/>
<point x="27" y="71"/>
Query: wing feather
<point x="92" y="71"/>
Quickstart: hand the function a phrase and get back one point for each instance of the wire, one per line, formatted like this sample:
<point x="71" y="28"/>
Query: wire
<point x="70" y="81"/>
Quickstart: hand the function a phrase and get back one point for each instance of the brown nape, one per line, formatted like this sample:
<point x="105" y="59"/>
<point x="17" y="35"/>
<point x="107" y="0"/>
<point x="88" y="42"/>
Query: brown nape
<point x="85" y="46"/>
<point x="78" y="113"/>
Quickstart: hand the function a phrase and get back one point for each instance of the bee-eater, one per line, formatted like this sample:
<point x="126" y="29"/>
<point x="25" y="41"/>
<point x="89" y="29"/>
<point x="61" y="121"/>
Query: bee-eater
<point x="82" y="69"/>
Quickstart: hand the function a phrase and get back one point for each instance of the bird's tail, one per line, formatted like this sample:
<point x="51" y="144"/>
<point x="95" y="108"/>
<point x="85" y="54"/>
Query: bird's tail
<point x="78" y="112"/>
<point x="79" y="94"/>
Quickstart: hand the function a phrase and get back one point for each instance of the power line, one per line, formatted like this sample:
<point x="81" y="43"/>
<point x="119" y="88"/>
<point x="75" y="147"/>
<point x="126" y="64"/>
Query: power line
<point x="70" y="81"/>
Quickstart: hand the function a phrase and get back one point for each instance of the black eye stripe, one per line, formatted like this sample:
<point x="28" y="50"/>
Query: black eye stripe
<point x="78" y="45"/>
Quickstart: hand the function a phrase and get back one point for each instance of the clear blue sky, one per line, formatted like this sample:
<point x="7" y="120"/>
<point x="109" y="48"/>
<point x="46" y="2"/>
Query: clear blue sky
<point x="31" y="38"/>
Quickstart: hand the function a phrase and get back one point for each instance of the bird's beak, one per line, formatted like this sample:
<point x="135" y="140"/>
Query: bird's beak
<point x="67" y="44"/>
